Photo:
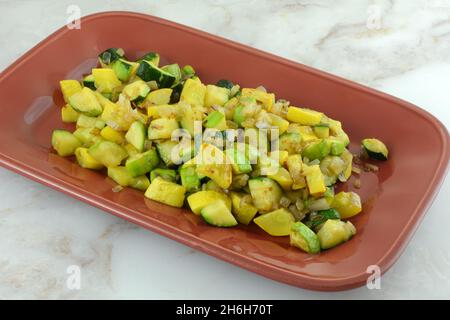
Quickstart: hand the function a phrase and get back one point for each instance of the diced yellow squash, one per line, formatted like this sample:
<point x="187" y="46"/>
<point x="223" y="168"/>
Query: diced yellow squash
<point x="348" y="204"/>
<point x="276" y="223"/>
<point x="347" y="156"/>
<point x="197" y="201"/>
<point x="193" y="93"/>
<point x="158" y="97"/>
<point x="163" y="111"/>
<point x="335" y="232"/>
<point x="295" y="166"/>
<point x="162" y="128"/>
<point x="266" y="99"/>
<point x="279" y="122"/>
<point x="304" y="116"/>
<point x="216" y="96"/>
<point x="214" y="164"/>
<point x="166" y="192"/>
<point x="280" y="155"/>
<point x="242" y="207"/>
<point x="105" y="79"/>
<point x="283" y="178"/>
<point x="85" y="160"/>
<point x="110" y="134"/>
<point x="314" y="179"/>
<point x="69" y="114"/>
<point x="69" y="87"/>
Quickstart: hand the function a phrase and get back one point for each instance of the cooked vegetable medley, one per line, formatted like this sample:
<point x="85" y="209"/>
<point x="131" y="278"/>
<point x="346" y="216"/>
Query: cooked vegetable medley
<point x="232" y="155"/>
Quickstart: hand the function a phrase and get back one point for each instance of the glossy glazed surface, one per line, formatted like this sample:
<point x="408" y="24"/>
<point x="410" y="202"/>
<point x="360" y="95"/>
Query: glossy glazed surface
<point x="394" y="200"/>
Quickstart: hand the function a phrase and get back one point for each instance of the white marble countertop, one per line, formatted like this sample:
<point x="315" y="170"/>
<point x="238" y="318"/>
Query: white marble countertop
<point x="397" y="46"/>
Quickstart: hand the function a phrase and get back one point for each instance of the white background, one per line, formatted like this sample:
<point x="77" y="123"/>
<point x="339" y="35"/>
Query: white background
<point x="405" y="51"/>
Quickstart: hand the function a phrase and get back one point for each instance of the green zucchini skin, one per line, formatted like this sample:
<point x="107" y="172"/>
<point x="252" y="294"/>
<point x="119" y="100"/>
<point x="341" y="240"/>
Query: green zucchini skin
<point x="189" y="179"/>
<point x="166" y="174"/>
<point x="148" y="72"/>
<point x="122" y="68"/>
<point x="110" y="55"/>
<point x="89" y="82"/>
<point x="225" y="84"/>
<point x="318" y="218"/>
<point x="375" y="149"/>
<point x="151" y="57"/>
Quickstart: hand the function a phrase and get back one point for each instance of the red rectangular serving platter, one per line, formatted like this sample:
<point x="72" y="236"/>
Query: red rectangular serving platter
<point x="394" y="200"/>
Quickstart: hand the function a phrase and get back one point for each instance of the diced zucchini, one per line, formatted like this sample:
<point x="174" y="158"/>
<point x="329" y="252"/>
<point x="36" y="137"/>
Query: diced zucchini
<point x="166" y="174"/>
<point x="105" y="79"/>
<point x="151" y="57"/>
<point x="303" y="116"/>
<point x="216" y="96"/>
<point x="158" y="97"/>
<point x="123" y="69"/>
<point x="266" y="99"/>
<point x="141" y="183"/>
<point x="266" y="193"/>
<point x="276" y="223"/>
<point x="85" y="101"/>
<point x="375" y="149"/>
<point x="112" y="135"/>
<point x="110" y="55"/>
<point x="317" y="219"/>
<point x="193" y="93"/>
<point x="304" y="238"/>
<point x="122" y="177"/>
<point x="162" y="128"/>
<point x="216" y="119"/>
<point x="240" y="161"/>
<point x="88" y="81"/>
<point x="187" y="72"/>
<point x="174" y="70"/>
<point x="335" y="232"/>
<point x="69" y="114"/>
<point x="142" y="163"/>
<point x="69" y="88"/>
<point x="136" y="135"/>
<point x="290" y="142"/>
<point x="89" y="122"/>
<point x="85" y="160"/>
<point x="242" y="207"/>
<point x="247" y="108"/>
<point x="189" y="179"/>
<point x="87" y="136"/>
<point x="64" y="142"/>
<point x="223" y="83"/>
<point x="149" y="72"/>
<point x="314" y="179"/>
<point x="348" y="204"/>
<point x="165" y="149"/>
<point x="166" y="192"/>
<point x="197" y="201"/>
<point x="218" y="214"/>
<point x="108" y="153"/>
<point x="317" y="150"/>
<point x="322" y="131"/>
<point x="136" y="91"/>
<point x="336" y="146"/>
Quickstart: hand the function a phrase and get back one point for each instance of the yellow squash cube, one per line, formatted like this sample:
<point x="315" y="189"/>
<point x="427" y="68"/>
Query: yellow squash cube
<point x="166" y="192"/>
<point x="304" y="116"/>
